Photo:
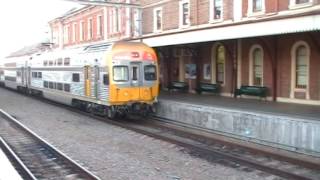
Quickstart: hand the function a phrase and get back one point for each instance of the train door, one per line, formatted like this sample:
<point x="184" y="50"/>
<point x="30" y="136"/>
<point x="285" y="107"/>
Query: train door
<point x="87" y="81"/>
<point x="96" y="86"/>
<point x="22" y="76"/>
<point x="28" y="76"/>
<point x="136" y="79"/>
<point x="136" y="74"/>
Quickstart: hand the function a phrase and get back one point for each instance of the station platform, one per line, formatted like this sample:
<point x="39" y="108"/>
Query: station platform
<point x="311" y="112"/>
<point x="287" y="126"/>
<point x="7" y="170"/>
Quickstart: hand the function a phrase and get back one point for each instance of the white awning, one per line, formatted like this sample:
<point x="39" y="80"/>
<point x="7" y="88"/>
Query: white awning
<point x="274" y="27"/>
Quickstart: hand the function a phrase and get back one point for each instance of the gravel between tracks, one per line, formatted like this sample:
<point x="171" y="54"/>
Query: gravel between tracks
<point x="112" y="152"/>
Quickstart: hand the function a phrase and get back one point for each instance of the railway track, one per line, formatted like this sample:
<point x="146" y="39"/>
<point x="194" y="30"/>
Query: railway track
<point x="34" y="158"/>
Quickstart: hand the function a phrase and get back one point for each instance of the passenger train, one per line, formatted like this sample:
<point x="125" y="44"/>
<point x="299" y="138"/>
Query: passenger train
<point x="107" y="79"/>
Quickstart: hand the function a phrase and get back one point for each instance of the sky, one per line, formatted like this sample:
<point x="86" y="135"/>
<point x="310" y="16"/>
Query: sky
<point x="25" y="22"/>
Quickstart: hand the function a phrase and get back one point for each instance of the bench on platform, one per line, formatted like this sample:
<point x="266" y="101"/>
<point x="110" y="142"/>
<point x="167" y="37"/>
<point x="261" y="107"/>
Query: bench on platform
<point x="178" y="85"/>
<point x="207" y="87"/>
<point x="252" y="91"/>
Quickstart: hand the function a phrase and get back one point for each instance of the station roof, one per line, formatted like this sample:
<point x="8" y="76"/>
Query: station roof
<point x="29" y="50"/>
<point x="237" y="31"/>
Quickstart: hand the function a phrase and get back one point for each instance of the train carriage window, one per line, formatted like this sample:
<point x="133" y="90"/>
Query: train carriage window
<point x="50" y="63"/>
<point x="106" y="79"/>
<point x="45" y="84"/>
<point x="34" y="74"/>
<point x="120" y="73"/>
<point x="66" y="87"/>
<point x="59" y="61"/>
<point x="45" y="63"/>
<point x="150" y="73"/>
<point x="134" y="73"/>
<point x="75" y="77"/>
<point x="59" y="86"/>
<point x="51" y="85"/>
<point x="67" y="61"/>
<point x="39" y="75"/>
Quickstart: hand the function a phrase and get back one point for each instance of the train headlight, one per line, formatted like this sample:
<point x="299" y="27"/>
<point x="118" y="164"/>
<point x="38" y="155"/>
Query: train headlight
<point x="126" y="93"/>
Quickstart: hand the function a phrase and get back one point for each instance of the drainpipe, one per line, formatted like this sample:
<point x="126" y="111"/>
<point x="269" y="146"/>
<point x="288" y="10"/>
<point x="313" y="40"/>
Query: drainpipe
<point x="235" y="67"/>
<point x="275" y="69"/>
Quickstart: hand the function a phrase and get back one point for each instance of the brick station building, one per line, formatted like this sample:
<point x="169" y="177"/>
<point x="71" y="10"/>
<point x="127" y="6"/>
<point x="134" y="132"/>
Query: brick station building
<point x="271" y="43"/>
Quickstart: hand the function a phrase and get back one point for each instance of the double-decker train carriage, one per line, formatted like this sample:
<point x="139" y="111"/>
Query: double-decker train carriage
<point x="106" y="79"/>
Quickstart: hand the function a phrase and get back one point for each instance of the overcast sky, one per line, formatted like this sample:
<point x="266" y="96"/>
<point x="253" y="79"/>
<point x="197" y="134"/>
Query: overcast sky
<point x="25" y="22"/>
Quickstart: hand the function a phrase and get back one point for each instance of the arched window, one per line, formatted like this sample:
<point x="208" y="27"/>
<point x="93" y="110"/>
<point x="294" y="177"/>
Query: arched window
<point x="300" y="62"/>
<point x="301" y="68"/>
<point x="257" y="67"/>
<point x="220" y="64"/>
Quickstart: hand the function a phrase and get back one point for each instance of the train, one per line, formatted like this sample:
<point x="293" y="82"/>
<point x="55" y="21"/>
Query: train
<point x="110" y="79"/>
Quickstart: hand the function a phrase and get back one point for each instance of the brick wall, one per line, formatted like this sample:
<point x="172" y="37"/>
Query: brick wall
<point x="284" y="64"/>
<point x="84" y="16"/>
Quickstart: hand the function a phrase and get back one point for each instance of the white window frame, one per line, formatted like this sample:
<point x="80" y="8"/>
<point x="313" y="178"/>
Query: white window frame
<point x="74" y="34"/>
<point x="99" y="25"/>
<point x="66" y="34"/>
<point x="155" y="19"/>
<point x="250" y="8"/>
<point x="90" y="29"/>
<point x="212" y="13"/>
<point x="81" y="32"/>
<point x="116" y="20"/>
<point x="251" y="63"/>
<point x="181" y="25"/>
<point x="293" y="5"/>
<point x="55" y="36"/>
<point x="294" y="88"/>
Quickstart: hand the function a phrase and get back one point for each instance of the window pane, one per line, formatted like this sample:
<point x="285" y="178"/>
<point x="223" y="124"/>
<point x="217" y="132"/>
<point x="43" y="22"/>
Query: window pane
<point x="257" y="67"/>
<point x="76" y="77"/>
<point x="120" y="73"/>
<point x="106" y="79"/>
<point x="45" y="84"/>
<point x="150" y="73"/>
<point x="159" y="19"/>
<point x="257" y="5"/>
<point x="185" y="13"/>
<point x="59" y="86"/>
<point x="301" y="1"/>
<point x="220" y="64"/>
<point x="66" y="61"/>
<point x="301" y="67"/>
<point x="39" y="74"/>
<point x="51" y="85"/>
<point x="134" y="73"/>
<point x="217" y="9"/>
<point x="67" y="87"/>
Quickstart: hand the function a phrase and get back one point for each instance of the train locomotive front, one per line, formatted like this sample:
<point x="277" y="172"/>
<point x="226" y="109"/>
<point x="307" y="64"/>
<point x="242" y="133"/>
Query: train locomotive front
<point x="133" y="72"/>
